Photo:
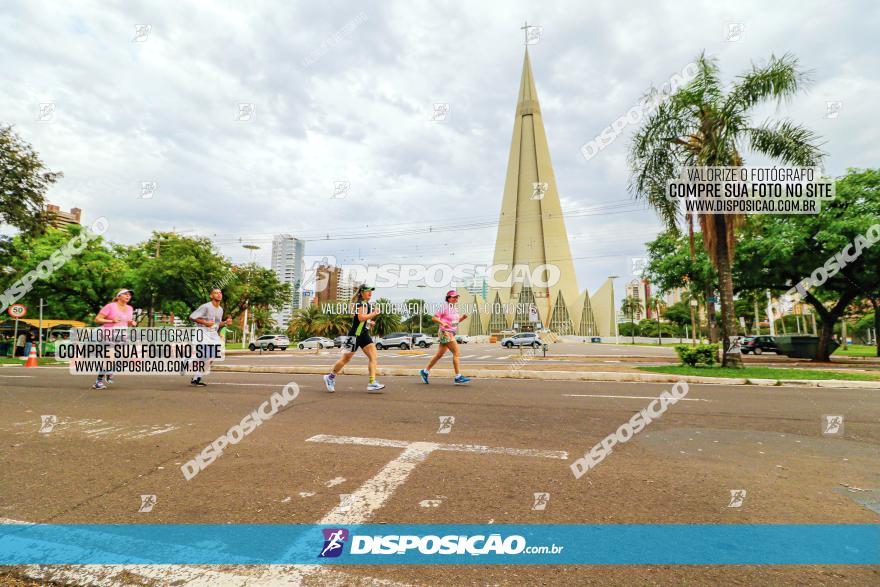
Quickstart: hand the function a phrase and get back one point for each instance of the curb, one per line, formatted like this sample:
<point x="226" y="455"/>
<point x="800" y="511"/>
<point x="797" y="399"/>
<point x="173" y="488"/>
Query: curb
<point x="554" y="376"/>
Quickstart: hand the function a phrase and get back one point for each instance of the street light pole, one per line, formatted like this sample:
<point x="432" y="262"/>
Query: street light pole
<point x="244" y="326"/>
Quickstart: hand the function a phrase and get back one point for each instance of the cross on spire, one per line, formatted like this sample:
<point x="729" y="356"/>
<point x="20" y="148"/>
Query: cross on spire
<point x="525" y="28"/>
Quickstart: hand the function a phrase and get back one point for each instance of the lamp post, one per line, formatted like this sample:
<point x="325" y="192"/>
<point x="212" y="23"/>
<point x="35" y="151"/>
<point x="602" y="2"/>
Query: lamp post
<point x="693" y="306"/>
<point x="244" y="325"/>
<point x="422" y="309"/>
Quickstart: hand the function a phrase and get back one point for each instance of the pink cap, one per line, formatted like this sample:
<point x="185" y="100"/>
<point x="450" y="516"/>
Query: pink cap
<point x="451" y="293"/>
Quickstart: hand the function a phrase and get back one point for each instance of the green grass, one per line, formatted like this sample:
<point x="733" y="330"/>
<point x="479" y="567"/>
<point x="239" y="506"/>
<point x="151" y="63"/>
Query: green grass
<point x="857" y="350"/>
<point x="40" y="361"/>
<point x="763" y="373"/>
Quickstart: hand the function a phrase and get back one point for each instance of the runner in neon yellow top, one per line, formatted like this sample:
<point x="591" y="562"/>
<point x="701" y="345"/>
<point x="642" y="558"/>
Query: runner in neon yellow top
<point x="359" y="338"/>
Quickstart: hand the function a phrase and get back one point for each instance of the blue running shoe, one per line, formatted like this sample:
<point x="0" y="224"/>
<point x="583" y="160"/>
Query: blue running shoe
<point x="424" y="375"/>
<point x="460" y="380"/>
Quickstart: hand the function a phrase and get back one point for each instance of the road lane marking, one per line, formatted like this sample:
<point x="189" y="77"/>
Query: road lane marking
<point x="684" y="399"/>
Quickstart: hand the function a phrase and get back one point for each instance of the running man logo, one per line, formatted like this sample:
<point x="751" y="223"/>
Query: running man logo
<point x="340" y="188"/>
<point x="148" y="189"/>
<point x="735" y="31"/>
<point x="737" y="497"/>
<point x="47" y="423"/>
<point x="441" y="112"/>
<point x="334" y="541"/>
<point x="832" y="109"/>
<point x="247" y="111"/>
<point x="832" y="425"/>
<point x="142" y="33"/>
<point x="346" y="500"/>
<point x="46" y="112"/>
<point x="639" y="265"/>
<point x="147" y="503"/>
<point x="539" y="189"/>
<point x="541" y="500"/>
<point x="533" y="34"/>
<point x="446" y="423"/>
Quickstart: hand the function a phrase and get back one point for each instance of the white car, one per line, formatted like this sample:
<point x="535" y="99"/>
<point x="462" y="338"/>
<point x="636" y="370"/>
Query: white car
<point x="316" y="342"/>
<point x="270" y="342"/>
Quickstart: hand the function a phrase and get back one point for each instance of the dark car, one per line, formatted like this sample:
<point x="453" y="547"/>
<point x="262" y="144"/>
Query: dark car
<point x="759" y="344"/>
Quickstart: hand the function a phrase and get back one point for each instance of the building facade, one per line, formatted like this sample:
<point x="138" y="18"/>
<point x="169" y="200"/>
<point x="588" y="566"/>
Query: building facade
<point x="537" y="287"/>
<point x="287" y="263"/>
<point x="59" y="219"/>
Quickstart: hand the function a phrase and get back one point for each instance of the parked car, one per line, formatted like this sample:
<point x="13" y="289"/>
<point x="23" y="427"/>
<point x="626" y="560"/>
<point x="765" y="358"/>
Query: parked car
<point x="759" y="344"/>
<point x="421" y="340"/>
<point x="270" y="342"/>
<point x="339" y="341"/>
<point x="401" y="340"/>
<point x="316" y="342"/>
<point x="522" y="339"/>
<point x="461" y="339"/>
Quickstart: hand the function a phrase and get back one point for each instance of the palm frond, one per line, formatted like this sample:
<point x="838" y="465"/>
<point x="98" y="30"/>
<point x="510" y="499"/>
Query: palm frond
<point x="786" y="141"/>
<point x="779" y="79"/>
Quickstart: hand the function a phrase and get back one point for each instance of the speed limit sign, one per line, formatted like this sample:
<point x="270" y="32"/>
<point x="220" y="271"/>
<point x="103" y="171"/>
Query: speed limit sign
<point x="17" y="311"/>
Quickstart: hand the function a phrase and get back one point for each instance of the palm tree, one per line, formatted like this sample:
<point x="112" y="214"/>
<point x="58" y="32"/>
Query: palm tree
<point x="332" y="324"/>
<point x="386" y="321"/>
<point x="630" y="306"/>
<point x="704" y="124"/>
<point x="305" y="322"/>
<point x="658" y="304"/>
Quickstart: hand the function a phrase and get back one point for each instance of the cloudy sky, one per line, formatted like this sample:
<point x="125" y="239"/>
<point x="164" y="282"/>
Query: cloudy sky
<point x="344" y="91"/>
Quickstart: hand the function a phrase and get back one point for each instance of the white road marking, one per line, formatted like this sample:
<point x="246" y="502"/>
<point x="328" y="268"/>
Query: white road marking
<point x="277" y="385"/>
<point x="485" y="357"/>
<point x="192" y="575"/>
<point x="335" y="481"/>
<point x="473" y="448"/>
<point x="684" y="399"/>
<point x="18" y="376"/>
<point x="373" y="494"/>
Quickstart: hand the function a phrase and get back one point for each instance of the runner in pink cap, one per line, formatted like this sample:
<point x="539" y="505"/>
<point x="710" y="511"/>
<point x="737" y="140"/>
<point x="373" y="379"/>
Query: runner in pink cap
<point x="448" y="319"/>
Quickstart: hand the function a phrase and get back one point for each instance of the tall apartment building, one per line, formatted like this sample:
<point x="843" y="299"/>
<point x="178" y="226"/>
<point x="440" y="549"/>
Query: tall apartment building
<point x="331" y="284"/>
<point x="287" y="263"/>
<point x="640" y="290"/>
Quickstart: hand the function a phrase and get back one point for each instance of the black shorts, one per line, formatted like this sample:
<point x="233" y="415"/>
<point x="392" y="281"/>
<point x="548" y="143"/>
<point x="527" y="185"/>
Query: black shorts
<point x="353" y="343"/>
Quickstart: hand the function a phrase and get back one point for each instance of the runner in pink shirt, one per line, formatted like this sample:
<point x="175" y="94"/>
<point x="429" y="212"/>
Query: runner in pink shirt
<point x="116" y="314"/>
<point x="448" y="319"/>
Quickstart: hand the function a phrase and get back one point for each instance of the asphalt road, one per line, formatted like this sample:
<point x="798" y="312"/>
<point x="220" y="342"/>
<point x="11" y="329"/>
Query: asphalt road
<point x="109" y="447"/>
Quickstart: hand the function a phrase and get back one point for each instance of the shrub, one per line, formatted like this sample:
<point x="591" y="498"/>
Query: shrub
<point x="702" y="354"/>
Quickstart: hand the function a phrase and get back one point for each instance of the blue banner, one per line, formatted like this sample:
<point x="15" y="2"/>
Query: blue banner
<point x="377" y="544"/>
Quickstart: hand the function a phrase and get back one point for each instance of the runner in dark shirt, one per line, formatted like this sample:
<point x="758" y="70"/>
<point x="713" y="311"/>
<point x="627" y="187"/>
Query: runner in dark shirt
<point x="359" y="338"/>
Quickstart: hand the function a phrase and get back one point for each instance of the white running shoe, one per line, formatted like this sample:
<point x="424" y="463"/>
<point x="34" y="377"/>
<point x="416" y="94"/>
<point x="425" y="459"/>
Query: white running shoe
<point x="375" y="387"/>
<point x="330" y="383"/>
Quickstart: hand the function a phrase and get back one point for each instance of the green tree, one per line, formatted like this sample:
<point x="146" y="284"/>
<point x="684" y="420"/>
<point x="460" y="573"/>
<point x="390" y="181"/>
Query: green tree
<point x="305" y="323"/>
<point x="418" y="318"/>
<point x="678" y="314"/>
<point x="254" y="287"/>
<point x="630" y="306"/>
<point x="706" y="124"/>
<point x="386" y="322"/>
<point x="24" y="180"/>
<point x="173" y="273"/>
<point x="674" y="261"/>
<point x="79" y="287"/>
<point x="778" y="252"/>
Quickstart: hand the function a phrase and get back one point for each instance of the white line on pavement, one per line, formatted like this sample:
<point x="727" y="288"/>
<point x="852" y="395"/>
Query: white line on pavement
<point x="684" y="399"/>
